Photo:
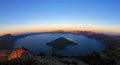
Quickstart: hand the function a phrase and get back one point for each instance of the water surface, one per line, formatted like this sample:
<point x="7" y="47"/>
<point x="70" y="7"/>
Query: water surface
<point x="37" y="44"/>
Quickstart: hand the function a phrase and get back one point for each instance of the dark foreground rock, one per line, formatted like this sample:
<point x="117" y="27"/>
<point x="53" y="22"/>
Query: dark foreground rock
<point x="21" y="56"/>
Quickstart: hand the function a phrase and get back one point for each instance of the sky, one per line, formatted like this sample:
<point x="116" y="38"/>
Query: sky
<point x="20" y="16"/>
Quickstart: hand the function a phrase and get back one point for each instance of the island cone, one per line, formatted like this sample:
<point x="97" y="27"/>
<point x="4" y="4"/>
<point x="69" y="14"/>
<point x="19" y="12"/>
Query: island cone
<point x="60" y="43"/>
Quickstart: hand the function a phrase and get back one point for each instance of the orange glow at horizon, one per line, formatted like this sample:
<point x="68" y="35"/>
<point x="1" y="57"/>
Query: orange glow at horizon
<point x="64" y="28"/>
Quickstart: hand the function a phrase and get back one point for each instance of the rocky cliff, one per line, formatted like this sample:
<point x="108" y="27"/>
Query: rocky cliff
<point x="17" y="53"/>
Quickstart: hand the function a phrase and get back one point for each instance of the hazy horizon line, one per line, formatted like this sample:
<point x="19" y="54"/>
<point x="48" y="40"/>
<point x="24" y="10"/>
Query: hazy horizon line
<point x="20" y="33"/>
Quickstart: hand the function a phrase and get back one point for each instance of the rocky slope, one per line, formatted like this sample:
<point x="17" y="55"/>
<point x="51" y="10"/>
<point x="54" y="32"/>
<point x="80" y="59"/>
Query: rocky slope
<point x="7" y="42"/>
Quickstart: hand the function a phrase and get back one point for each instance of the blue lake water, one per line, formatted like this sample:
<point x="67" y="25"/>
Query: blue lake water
<point x="37" y="44"/>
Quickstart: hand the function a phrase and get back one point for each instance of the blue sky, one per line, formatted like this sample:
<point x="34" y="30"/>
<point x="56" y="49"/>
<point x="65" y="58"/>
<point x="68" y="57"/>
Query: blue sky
<point x="21" y="15"/>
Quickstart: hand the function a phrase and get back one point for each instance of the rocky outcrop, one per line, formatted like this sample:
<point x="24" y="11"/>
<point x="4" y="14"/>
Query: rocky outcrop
<point x="17" y="53"/>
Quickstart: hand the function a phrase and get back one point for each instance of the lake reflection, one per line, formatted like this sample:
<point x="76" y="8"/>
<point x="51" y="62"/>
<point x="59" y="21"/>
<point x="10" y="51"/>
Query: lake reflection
<point x="37" y="44"/>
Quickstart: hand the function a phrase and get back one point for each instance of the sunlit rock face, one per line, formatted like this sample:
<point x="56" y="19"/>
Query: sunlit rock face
<point x="17" y="53"/>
